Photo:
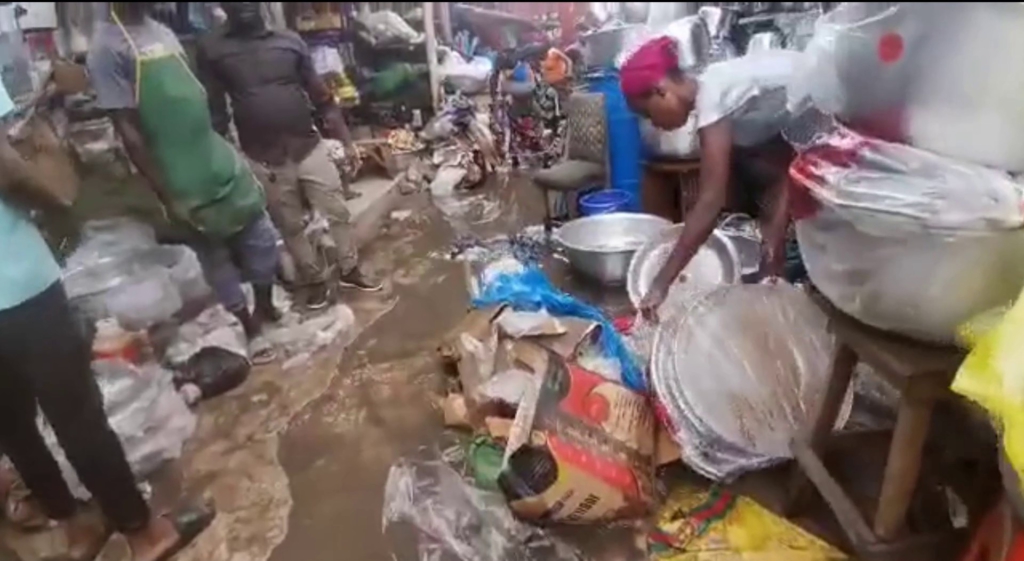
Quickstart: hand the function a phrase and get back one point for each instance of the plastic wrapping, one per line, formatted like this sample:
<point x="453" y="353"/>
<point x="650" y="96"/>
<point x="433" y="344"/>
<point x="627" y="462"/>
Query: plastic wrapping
<point x="943" y="77"/>
<point x="991" y="375"/>
<point x="386" y="26"/>
<point x="906" y="240"/>
<point x="143" y="299"/>
<point x="742" y="373"/>
<point x="118" y="270"/>
<point x="454" y="521"/>
<point x="468" y="77"/>
<point x="146" y="413"/>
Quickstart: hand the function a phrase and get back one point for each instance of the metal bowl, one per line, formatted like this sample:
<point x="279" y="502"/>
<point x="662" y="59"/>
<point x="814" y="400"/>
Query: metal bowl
<point x="602" y="246"/>
<point x="715" y="263"/>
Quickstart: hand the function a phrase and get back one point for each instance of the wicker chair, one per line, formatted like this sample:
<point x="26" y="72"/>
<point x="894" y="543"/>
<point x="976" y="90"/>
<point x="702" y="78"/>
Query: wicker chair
<point x="586" y="160"/>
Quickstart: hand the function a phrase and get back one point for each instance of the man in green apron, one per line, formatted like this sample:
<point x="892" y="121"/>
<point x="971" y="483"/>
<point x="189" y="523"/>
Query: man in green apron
<point x="138" y="70"/>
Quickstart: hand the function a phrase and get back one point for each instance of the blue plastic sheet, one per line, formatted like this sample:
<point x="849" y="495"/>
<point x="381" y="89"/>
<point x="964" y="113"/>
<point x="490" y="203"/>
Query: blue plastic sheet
<point x="531" y="290"/>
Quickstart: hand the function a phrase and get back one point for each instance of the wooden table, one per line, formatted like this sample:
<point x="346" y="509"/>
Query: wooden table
<point x="922" y="374"/>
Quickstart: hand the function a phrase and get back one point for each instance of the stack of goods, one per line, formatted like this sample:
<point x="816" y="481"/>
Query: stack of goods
<point x="910" y="220"/>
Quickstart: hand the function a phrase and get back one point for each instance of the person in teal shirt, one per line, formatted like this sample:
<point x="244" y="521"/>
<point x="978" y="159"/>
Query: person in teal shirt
<point x="45" y="359"/>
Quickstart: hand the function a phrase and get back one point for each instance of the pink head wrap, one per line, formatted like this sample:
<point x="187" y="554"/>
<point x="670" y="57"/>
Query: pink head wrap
<point x="647" y="66"/>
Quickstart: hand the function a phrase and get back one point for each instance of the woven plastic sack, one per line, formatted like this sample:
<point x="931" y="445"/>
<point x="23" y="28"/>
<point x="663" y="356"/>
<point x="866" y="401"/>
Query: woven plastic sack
<point x="992" y="375"/>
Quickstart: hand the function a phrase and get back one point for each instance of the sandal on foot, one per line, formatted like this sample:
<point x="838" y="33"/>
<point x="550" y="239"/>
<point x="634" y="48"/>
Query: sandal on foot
<point x="189" y="522"/>
<point x="23" y="510"/>
<point x="261" y="351"/>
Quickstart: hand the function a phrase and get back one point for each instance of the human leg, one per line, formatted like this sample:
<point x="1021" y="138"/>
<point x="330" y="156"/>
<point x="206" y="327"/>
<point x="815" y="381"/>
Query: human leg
<point x="223" y="276"/>
<point x="45" y="359"/>
<point x="322" y="187"/>
<point x="254" y="250"/>
<point x="285" y="205"/>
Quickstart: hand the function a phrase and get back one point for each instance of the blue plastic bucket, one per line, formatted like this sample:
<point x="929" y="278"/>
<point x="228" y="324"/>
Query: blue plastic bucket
<point x="625" y="145"/>
<point x="605" y="202"/>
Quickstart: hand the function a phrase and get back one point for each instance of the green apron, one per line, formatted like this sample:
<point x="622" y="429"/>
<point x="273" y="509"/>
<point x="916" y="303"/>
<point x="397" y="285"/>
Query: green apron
<point x="207" y="180"/>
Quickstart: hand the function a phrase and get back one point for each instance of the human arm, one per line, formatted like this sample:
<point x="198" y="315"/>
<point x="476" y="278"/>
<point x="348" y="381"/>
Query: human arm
<point x="773" y="228"/>
<point x="700" y="221"/>
<point x="112" y="75"/>
<point x="323" y="100"/>
<point x="216" y="93"/>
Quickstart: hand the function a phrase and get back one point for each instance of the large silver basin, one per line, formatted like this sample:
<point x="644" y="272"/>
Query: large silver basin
<point x="602" y="246"/>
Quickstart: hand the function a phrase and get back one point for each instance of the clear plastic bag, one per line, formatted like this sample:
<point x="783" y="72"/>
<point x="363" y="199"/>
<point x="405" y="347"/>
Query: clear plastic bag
<point x="146" y="413"/>
<point x="906" y="240"/>
<point x="940" y="76"/>
<point x="453" y="520"/>
<point x="144" y="299"/>
<point x="740" y="374"/>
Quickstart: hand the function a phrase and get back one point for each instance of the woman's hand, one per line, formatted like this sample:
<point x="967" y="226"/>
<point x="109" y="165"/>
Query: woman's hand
<point x="653" y="300"/>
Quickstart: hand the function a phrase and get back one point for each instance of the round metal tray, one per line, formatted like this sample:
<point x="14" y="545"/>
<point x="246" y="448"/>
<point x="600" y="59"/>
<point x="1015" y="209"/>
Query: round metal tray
<point x="714" y="264"/>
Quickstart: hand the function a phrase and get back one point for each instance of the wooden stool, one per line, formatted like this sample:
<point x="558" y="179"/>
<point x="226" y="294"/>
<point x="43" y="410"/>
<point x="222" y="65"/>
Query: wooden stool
<point x="922" y="374"/>
<point x="669" y="187"/>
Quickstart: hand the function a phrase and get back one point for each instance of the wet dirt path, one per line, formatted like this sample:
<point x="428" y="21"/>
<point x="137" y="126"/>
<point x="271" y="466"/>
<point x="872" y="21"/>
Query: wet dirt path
<point x="337" y="451"/>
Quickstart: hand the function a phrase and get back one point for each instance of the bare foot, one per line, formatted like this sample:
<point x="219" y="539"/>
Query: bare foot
<point x="165" y="536"/>
<point x="153" y="541"/>
<point x="86" y="534"/>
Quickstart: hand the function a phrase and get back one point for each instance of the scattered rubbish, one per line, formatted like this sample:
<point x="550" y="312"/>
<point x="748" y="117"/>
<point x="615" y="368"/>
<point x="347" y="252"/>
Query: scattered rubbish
<point x="485" y="458"/>
<point x="401" y="215"/>
<point x="453" y="520"/>
<point x="529" y="324"/>
<point x="696" y="524"/>
<point x="296" y="334"/>
<point x="507" y="387"/>
<point x="588" y="454"/>
<point x="531" y="290"/>
<point x="456" y="413"/>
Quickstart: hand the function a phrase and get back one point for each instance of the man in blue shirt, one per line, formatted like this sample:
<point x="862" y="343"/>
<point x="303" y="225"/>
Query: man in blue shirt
<point x="45" y="360"/>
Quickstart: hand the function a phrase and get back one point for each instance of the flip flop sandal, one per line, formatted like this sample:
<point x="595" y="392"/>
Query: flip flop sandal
<point x="189" y="522"/>
<point x="24" y="511"/>
<point x="261" y="351"/>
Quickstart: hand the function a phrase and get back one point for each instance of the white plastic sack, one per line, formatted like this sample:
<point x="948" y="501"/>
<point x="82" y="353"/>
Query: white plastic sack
<point x="386" y="26"/>
<point x="906" y="240"/>
<point x="467" y="77"/>
<point x="146" y="413"/>
<point x="144" y="299"/>
<point x="945" y="77"/>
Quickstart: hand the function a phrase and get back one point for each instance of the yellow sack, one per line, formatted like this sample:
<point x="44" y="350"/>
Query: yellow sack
<point x="697" y="524"/>
<point x="992" y="375"/>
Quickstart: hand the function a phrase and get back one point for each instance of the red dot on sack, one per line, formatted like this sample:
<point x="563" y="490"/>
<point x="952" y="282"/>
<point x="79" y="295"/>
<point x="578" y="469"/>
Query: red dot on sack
<point x="890" y="48"/>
